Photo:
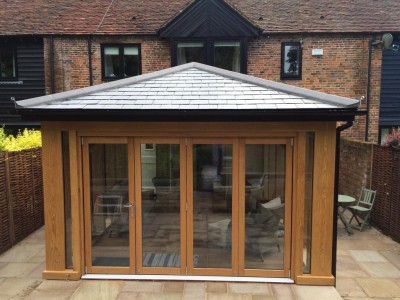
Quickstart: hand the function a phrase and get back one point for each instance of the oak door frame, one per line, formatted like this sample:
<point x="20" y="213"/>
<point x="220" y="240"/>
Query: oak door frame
<point x="138" y="197"/>
<point x="86" y="141"/>
<point x="288" y="142"/>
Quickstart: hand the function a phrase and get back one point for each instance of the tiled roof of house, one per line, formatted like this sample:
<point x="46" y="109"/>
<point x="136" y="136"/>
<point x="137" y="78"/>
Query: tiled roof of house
<point x="146" y="17"/>
<point x="191" y="86"/>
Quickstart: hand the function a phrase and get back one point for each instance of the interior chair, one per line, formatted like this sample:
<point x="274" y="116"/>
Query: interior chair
<point x="363" y="207"/>
<point x="262" y="228"/>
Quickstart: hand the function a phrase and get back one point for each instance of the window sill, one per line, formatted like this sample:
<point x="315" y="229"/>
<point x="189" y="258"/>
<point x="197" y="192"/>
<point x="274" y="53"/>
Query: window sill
<point x="11" y="82"/>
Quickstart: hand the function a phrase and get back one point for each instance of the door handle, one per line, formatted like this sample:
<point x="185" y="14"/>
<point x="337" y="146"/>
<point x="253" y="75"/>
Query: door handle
<point x="132" y="206"/>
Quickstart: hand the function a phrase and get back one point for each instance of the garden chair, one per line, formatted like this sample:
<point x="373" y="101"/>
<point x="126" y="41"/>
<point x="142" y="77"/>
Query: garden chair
<point x="364" y="206"/>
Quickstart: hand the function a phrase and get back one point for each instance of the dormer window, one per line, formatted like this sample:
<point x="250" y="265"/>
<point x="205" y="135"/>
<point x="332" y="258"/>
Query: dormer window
<point x="210" y="32"/>
<point x="228" y="55"/>
<point x="190" y="52"/>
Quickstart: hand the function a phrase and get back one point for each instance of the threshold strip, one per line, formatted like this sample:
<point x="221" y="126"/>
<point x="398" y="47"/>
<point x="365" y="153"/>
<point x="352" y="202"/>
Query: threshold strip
<point x="187" y="278"/>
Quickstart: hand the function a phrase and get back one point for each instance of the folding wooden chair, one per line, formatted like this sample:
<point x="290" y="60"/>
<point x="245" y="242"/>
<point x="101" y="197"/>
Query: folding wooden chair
<point x="364" y="206"/>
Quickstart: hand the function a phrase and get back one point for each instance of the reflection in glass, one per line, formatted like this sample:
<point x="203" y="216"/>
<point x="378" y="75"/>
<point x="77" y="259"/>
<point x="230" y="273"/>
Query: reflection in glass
<point x="7" y="63"/>
<point x="265" y="206"/>
<point x="227" y="55"/>
<point x="109" y="197"/>
<point x="291" y="60"/>
<point x="67" y="199"/>
<point x="131" y="61"/>
<point x="161" y="205"/>
<point x="212" y="206"/>
<point x="111" y="62"/>
<point x="308" y="202"/>
<point x="190" y="52"/>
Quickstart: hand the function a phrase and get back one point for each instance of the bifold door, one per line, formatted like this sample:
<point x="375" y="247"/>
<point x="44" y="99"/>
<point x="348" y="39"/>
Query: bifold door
<point x="188" y="206"/>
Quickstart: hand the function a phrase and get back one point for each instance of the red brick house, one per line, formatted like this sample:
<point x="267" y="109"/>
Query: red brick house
<point x="80" y="41"/>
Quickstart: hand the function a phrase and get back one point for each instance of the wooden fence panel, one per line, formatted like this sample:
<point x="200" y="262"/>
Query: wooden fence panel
<point x="386" y="181"/>
<point x="395" y="197"/>
<point x="21" y="195"/>
<point x="5" y="239"/>
<point x="382" y="182"/>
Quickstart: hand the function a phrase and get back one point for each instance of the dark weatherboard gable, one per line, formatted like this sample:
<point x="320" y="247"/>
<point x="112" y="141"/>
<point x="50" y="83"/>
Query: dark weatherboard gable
<point x="209" y="18"/>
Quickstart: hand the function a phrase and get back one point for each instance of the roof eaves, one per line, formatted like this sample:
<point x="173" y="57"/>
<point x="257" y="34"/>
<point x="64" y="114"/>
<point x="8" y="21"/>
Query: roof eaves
<point x="290" y="89"/>
<point x="101" y="87"/>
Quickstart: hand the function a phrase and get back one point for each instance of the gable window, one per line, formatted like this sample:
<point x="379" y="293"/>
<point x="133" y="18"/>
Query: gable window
<point x="190" y="52"/>
<point x="120" y="61"/>
<point x="8" y="68"/>
<point x="228" y="55"/>
<point x="291" y="60"/>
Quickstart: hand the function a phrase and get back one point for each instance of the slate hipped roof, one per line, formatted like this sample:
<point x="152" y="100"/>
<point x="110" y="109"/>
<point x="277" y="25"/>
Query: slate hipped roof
<point x="41" y="17"/>
<point x="190" y="87"/>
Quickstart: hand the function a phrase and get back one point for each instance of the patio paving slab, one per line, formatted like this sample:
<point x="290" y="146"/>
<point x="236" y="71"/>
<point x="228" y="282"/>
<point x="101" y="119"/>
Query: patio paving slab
<point x="379" y="287"/>
<point x="13" y="287"/>
<point x="283" y="292"/>
<point x="367" y="256"/>
<point x="98" y="290"/>
<point x="21" y="253"/>
<point x="50" y="295"/>
<point x="142" y="286"/>
<point x="316" y="292"/>
<point x="58" y="285"/>
<point x="363" y="273"/>
<point x="249" y="288"/>
<point x="19" y="270"/>
<point x="393" y="257"/>
<point x="349" y="287"/>
<point x="381" y="270"/>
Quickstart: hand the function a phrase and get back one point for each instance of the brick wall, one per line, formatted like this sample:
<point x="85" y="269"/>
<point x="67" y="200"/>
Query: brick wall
<point x="342" y="70"/>
<point x="355" y="166"/>
<point x="71" y="63"/>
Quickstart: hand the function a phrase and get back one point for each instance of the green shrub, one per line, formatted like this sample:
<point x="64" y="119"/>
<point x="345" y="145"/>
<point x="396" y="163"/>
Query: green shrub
<point x="27" y="139"/>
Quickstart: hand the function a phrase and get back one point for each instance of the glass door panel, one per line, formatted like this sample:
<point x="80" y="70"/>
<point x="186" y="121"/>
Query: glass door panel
<point x="267" y="191"/>
<point x="160" y="166"/>
<point x="212" y="206"/>
<point x="107" y="204"/>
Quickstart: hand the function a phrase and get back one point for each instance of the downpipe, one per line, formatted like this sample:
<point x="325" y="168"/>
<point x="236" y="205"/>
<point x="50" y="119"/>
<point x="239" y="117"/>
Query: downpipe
<point x="336" y="192"/>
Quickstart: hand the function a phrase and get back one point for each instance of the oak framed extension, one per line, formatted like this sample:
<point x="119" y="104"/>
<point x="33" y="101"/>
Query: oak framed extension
<point x="230" y="192"/>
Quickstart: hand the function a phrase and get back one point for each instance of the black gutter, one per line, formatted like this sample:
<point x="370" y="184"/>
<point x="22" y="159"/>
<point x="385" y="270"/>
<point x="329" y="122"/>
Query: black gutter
<point x="119" y="115"/>
<point x="52" y="77"/>
<point x="336" y="193"/>
<point x="370" y="43"/>
<point x="90" y="60"/>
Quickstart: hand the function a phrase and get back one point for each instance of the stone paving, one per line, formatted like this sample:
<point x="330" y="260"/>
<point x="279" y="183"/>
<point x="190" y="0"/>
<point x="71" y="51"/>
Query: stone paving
<point x="368" y="268"/>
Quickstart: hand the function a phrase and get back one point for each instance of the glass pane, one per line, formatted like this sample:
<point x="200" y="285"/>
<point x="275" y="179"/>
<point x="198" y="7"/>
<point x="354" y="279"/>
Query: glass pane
<point x="111" y="62"/>
<point x="212" y="206"/>
<point x="265" y="206"/>
<point x="109" y="198"/>
<point x="227" y="55"/>
<point x="67" y="200"/>
<point x="161" y="237"/>
<point x="7" y="61"/>
<point x="131" y="61"/>
<point x="190" y="52"/>
<point x="291" y="60"/>
<point x="308" y="202"/>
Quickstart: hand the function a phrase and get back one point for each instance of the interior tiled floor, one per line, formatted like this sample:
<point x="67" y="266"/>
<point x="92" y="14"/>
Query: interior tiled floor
<point x="368" y="267"/>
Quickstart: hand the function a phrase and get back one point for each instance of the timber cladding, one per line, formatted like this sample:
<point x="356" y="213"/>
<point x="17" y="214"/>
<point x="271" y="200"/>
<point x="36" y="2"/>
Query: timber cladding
<point x="21" y="195"/>
<point x="152" y="132"/>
